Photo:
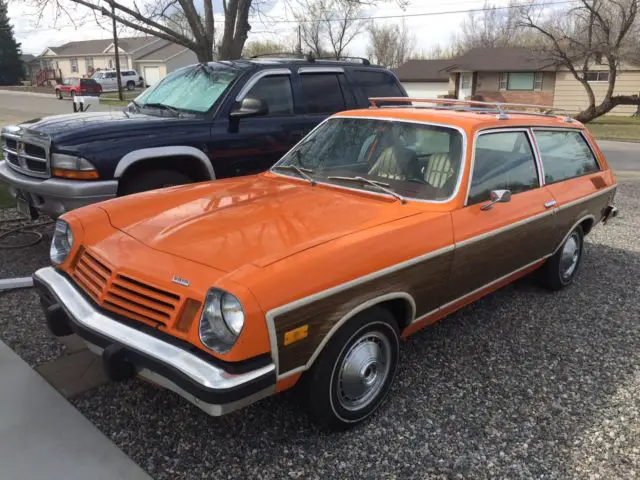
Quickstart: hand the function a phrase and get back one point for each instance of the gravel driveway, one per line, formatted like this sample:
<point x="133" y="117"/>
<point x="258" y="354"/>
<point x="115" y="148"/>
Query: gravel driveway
<point x="522" y="384"/>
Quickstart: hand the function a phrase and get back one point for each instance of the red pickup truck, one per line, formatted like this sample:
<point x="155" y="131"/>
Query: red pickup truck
<point x="78" y="86"/>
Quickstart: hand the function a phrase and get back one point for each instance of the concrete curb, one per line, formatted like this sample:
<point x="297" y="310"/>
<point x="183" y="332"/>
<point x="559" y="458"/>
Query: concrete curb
<point x="13" y="283"/>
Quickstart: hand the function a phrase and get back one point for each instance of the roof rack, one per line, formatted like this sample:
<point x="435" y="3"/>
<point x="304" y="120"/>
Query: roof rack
<point x="362" y="60"/>
<point x="309" y="57"/>
<point x="499" y="108"/>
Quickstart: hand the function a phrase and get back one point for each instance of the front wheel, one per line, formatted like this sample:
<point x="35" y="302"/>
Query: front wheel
<point x="562" y="267"/>
<point x="353" y="374"/>
<point x="131" y="86"/>
<point x="152" y="180"/>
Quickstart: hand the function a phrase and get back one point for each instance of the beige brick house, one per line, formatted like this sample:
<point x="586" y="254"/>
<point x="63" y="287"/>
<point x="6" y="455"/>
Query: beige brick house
<point x="519" y="75"/>
<point x="152" y="57"/>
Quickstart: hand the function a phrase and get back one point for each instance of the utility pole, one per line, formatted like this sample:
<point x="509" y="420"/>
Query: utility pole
<point x="115" y="45"/>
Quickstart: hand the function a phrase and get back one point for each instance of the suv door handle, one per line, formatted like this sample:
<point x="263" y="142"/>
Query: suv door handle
<point x="550" y="203"/>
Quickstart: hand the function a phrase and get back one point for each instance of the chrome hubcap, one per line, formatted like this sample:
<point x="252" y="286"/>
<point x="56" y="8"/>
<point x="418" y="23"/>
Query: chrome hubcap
<point x="363" y="371"/>
<point x="570" y="256"/>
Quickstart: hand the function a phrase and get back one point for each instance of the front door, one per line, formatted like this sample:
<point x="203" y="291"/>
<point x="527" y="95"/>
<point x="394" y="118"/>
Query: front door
<point x="495" y="242"/>
<point x="465" y="85"/>
<point x="250" y="145"/>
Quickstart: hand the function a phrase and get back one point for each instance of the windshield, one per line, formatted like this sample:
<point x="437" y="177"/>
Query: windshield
<point x="413" y="160"/>
<point x="193" y="90"/>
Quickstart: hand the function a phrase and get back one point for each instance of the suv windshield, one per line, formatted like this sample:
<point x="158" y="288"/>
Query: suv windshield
<point x="410" y="159"/>
<point x="193" y="90"/>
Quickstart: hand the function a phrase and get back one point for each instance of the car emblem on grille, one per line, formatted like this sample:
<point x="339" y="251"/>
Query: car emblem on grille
<point x="180" y="281"/>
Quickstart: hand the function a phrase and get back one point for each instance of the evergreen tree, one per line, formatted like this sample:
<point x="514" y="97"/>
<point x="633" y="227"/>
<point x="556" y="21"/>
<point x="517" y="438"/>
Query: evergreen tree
<point x="11" y="68"/>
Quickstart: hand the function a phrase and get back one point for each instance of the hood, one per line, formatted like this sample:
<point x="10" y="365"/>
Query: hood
<point x="230" y="223"/>
<point x="79" y="127"/>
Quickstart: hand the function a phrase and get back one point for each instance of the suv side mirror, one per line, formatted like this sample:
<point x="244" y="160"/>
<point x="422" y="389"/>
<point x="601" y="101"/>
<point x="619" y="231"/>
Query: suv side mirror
<point x="249" y="107"/>
<point x="497" y="196"/>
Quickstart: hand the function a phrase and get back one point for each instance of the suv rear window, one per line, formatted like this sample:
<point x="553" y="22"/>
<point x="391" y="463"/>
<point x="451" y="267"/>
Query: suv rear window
<point x="377" y="83"/>
<point x="88" y="81"/>
<point x="323" y="92"/>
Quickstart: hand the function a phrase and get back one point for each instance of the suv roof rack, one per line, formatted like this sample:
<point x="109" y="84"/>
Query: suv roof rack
<point x="309" y="57"/>
<point x="499" y="108"/>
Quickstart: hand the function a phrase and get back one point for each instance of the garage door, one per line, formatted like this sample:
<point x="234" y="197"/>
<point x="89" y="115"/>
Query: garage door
<point x="151" y="75"/>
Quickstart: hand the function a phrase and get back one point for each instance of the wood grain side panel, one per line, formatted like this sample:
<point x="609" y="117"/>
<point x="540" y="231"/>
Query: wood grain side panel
<point x="425" y="282"/>
<point x="568" y="216"/>
<point x="479" y="263"/>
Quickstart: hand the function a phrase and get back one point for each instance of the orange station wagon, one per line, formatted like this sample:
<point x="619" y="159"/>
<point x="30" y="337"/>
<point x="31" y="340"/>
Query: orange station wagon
<point x="377" y="224"/>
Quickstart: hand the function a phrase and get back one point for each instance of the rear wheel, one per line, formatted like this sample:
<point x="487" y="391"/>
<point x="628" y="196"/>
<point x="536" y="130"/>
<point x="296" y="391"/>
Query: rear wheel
<point x="562" y="267"/>
<point x="353" y="374"/>
<point x="131" y="85"/>
<point x="152" y="180"/>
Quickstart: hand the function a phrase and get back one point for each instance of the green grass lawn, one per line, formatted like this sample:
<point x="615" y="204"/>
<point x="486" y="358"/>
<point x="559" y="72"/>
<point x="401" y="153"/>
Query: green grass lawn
<point x="609" y="127"/>
<point x="111" y="98"/>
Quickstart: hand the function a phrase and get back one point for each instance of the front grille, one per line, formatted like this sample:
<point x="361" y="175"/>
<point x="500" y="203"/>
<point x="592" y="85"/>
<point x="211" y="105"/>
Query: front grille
<point x="122" y="294"/>
<point x="28" y="158"/>
<point x="35" y="151"/>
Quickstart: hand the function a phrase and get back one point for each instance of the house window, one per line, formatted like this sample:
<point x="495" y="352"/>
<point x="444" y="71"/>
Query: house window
<point x="74" y="64"/>
<point x="110" y="64"/>
<point x="88" y="62"/>
<point x="520" y="81"/>
<point x="597" y="76"/>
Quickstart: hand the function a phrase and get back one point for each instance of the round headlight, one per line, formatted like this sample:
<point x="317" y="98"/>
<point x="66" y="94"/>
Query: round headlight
<point x="61" y="243"/>
<point x="221" y="321"/>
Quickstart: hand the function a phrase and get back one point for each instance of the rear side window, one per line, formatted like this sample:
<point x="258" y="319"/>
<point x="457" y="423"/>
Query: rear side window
<point x="565" y="154"/>
<point x="323" y="92"/>
<point x="503" y="161"/>
<point x="88" y="81"/>
<point x="377" y="83"/>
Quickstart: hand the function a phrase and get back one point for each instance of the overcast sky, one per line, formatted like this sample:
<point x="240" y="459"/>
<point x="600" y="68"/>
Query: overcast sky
<point x="429" y="30"/>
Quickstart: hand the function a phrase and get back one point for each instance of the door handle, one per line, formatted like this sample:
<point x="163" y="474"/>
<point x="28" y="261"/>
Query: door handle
<point x="550" y="203"/>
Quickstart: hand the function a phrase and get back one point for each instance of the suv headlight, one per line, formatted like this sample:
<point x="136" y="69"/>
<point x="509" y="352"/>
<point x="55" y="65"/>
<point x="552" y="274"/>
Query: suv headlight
<point x="62" y="242"/>
<point x="221" y="321"/>
<point x="70" y="166"/>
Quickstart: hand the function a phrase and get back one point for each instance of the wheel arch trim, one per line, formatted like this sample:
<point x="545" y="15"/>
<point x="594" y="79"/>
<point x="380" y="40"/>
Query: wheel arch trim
<point x="573" y="227"/>
<point x="136" y="156"/>
<point x="334" y="329"/>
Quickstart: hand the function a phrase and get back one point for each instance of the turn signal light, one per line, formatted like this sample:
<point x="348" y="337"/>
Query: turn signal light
<point x="75" y="174"/>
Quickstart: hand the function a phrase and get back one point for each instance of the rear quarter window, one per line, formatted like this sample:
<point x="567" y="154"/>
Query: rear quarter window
<point x="88" y="81"/>
<point x="377" y="83"/>
<point x="565" y="154"/>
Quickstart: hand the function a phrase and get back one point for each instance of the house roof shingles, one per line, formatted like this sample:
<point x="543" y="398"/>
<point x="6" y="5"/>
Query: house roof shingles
<point x="164" y="52"/>
<point x="96" y="47"/>
<point x="502" y="59"/>
<point x="423" y="71"/>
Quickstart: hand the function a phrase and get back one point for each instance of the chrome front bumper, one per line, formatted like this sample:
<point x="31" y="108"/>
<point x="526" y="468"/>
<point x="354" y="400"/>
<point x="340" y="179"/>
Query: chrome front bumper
<point x="206" y="384"/>
<point x="55" y="196"/>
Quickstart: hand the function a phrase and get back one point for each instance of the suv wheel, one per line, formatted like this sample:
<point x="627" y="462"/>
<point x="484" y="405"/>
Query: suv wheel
<point x="561" y="268"/>
<point x="152" y="180"/>
<point x="353" y="374"/>
<point x="131" y="85"/>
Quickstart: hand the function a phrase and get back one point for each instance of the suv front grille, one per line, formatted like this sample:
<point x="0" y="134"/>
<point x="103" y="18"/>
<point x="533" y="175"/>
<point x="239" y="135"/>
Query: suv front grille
<point x="26" y="157"/>
<point x="122" y="294"/>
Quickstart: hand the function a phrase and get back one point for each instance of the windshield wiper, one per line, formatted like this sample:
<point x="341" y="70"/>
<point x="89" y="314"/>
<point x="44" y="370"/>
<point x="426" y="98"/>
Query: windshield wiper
<point x="173" y="110"/>
<point x="381" y="186"/>
<point x="300" y="171"/>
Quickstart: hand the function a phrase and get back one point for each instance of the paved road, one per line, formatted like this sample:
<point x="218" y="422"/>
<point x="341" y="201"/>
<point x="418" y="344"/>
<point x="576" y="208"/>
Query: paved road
<point x="622" y="156"/>
<point x="17" y="107"/>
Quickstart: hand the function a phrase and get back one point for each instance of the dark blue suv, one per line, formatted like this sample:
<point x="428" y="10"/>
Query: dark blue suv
<point x="201" y="122"/>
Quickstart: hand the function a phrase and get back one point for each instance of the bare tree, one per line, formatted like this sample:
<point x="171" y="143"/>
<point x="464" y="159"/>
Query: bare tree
<point x="594" y="31"/>
<point x="189" y="23"/>
<point x="263" y="47"/>
<point x="390" y="45"/>
<point x="493" y="27"/>
<point x="329" y="26"/>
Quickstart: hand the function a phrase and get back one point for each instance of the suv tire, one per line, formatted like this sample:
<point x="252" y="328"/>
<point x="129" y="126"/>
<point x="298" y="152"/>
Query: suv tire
<point x="562" y="267"/>
<point x="131" y="85"/>
<point x="151" y="180"/>
<point x="353" y="374"/>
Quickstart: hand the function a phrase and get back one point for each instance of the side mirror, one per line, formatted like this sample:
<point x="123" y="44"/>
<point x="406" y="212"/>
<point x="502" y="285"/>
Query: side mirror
<point x="249" y="107"/>
<point x="497" y="196"/>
